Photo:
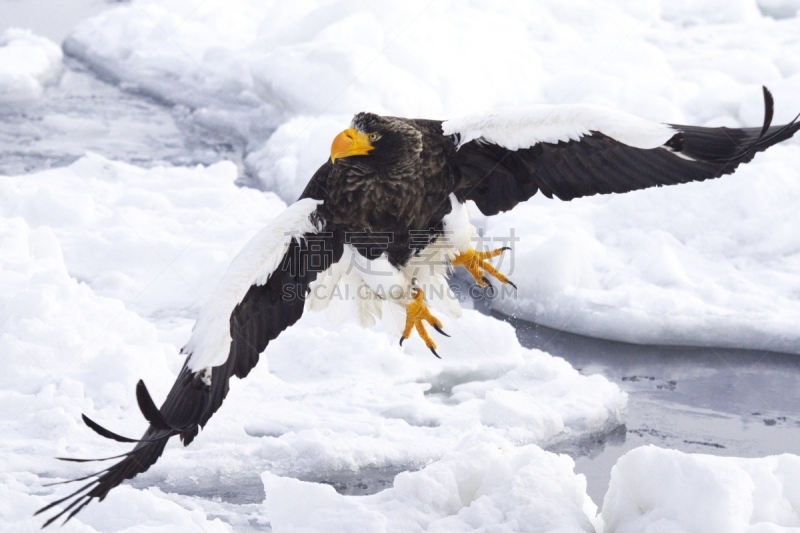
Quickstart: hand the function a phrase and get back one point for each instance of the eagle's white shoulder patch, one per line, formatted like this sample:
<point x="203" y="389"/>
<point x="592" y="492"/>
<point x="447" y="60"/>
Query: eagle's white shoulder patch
<point x="522" y="127"/>
<point x="211" y="338"/>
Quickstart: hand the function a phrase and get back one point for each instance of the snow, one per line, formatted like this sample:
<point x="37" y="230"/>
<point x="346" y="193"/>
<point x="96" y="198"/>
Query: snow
<point x="657" y="490"/>
<point x="105" y="266"/>
<point x="325" y="400"/>
<point x="126" y="510"/>
<point x="28" y="62"/>
<point x="485" y="482"/>
<point x="148" y="237"/>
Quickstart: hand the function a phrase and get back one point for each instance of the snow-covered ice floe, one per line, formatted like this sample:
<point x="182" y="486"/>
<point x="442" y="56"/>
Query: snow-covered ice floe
<point x="104" y="266"/>
<point x="712" y="263"/>
<point x="484" y="484"/>
<point x="28" y="62"/>
<point x="654" y="490"/>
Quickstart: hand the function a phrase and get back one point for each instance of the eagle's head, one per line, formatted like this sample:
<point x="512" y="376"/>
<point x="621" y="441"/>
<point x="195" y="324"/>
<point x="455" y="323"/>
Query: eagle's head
<point x="385" y="141"/>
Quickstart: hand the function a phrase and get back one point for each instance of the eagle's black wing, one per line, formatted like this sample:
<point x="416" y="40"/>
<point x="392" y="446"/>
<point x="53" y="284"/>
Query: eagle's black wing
<point x="497" y="178"/>
<point x="259" y="317"/>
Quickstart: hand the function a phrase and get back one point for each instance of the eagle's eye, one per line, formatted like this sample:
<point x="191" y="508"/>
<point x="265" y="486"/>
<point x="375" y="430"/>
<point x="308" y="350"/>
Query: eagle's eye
<point x="374" y="137"/>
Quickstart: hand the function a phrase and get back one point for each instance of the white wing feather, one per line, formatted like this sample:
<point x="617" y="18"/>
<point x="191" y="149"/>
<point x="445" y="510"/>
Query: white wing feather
<point x="522" y="127"/>
<point x="211" y="338"/>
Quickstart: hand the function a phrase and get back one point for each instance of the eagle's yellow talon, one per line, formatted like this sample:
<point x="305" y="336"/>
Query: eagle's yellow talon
<point x="416" y="312"/>
<point x="477" y="264"/>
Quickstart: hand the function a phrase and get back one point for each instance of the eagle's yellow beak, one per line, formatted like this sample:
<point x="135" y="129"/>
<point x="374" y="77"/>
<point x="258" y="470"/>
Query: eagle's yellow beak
<point x="350" y="142"/>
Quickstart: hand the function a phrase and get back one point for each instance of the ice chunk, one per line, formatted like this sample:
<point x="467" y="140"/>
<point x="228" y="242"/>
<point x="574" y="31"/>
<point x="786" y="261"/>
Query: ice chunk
<point x="701" y="264"/>
<point x="654" y="490"/>
<point x="28" y="63"/>
<point x="484" y="482"/>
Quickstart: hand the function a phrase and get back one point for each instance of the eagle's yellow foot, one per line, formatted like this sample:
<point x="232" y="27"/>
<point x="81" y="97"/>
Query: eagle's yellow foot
<point x="476" y="264"/>
<point x="416" y="312"/>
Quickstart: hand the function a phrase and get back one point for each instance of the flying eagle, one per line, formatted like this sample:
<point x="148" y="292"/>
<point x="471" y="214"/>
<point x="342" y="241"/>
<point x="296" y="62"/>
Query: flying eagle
<point x="390" y="200"/>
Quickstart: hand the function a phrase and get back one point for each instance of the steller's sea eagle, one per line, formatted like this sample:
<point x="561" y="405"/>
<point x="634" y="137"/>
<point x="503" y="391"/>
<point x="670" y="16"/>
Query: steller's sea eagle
<point x="391" y="199"/>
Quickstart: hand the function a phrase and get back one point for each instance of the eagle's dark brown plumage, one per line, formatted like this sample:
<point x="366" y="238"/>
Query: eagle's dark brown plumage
<point x="386" y="190"/>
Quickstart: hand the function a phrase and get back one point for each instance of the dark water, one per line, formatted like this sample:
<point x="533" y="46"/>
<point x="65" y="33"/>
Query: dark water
<point x="82" y="113"/>
<point x="702" y="400"/>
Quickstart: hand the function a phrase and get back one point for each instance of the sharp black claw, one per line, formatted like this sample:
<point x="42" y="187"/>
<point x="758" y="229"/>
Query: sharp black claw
<point x="504" y="248"/>
<point x="440" y="330"/>
<point x="511" y="283"/>
<point x="401" y="340"/>
<point x="434" y="352"/>
<point x="486" y="280"/>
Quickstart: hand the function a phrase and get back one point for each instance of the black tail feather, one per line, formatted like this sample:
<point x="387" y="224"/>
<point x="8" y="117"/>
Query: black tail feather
<point x="730" y="147"/>
<point x="95" y="474"/>
<point x="769" y="110"/>
<point x="77" y="460"/>
<point x="259" y="318"/>
<point x="148" y="449"/>
<point x="149" y="409"/>
<point x="103" y="432"/>
<point x="146" y="452"/>
<point x="749" y="149"/>
<point x="764" y="141"/>
<point x="78" y="508"/>
<point x="65" y="498"/>
<point x="82" y="500"/>
<point x="784" y="132"/>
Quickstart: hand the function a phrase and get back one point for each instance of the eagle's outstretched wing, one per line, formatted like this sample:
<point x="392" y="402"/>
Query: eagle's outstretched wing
<point x="570" y="151"/>
<point x="261" y="294"/>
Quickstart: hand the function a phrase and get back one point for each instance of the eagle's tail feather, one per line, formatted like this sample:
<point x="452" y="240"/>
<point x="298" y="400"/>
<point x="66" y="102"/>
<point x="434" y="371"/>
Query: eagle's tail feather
<point x="103" y="432"/>
<point x="144" y="455"/>
<point x="146" y="452"/>
<point x="730" y="147"/>
<point x="78" y="498"/>
<point x="78" y="460"/>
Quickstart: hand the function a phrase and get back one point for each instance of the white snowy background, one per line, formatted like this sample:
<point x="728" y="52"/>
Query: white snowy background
<point x="103" y="266"/>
